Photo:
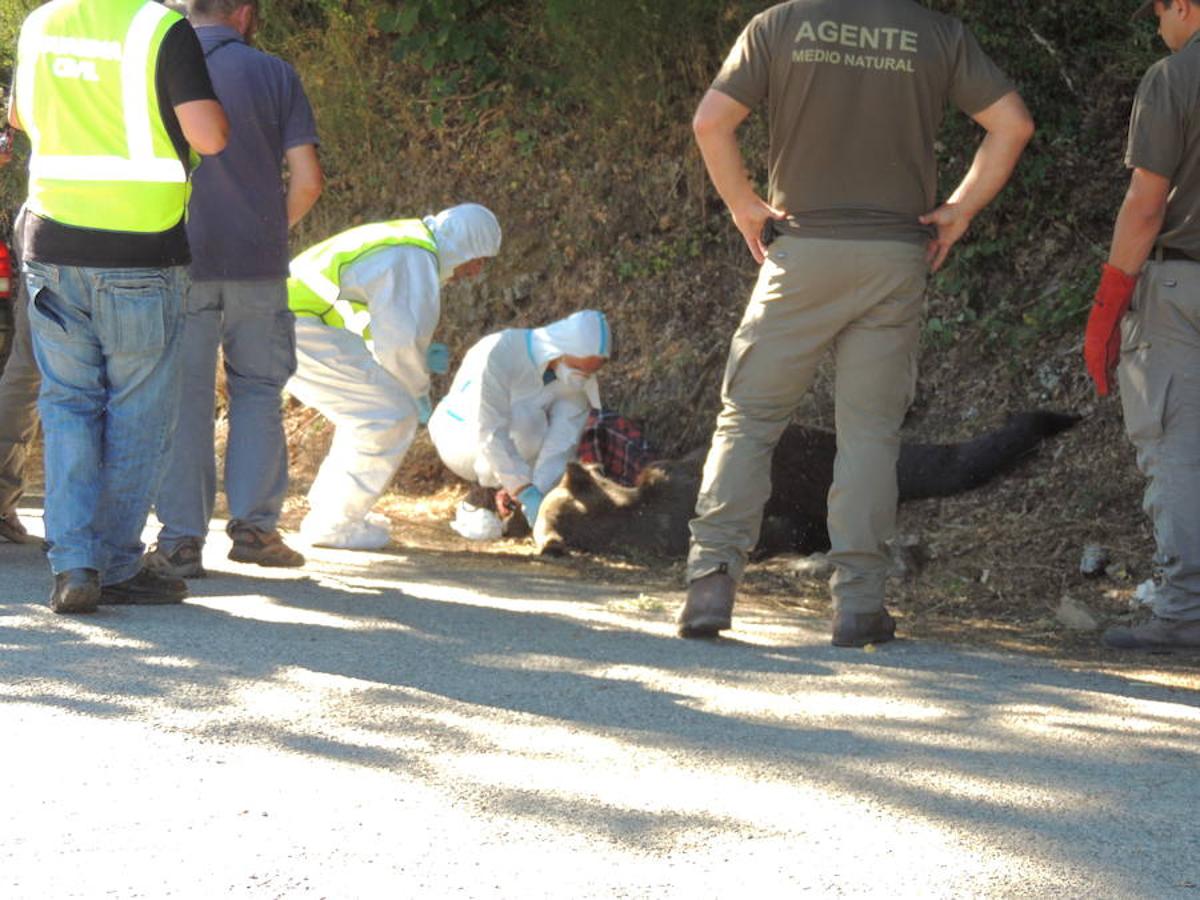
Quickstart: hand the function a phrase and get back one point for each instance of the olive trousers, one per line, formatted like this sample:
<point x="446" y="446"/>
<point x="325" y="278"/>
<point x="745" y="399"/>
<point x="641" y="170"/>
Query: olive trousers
<point x="1159" y="375"/>
<point x="861" y="300"/>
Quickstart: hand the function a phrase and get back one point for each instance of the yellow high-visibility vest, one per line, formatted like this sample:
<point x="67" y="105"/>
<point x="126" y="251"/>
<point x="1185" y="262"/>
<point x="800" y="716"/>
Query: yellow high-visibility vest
<point x="86" y="95"/>
<point x="315" y="275"/>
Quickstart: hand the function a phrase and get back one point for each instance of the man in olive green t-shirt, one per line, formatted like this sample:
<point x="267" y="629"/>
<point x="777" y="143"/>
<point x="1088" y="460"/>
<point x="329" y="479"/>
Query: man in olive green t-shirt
<point x="855" y="94"/>
<point x="1157" y="234"/>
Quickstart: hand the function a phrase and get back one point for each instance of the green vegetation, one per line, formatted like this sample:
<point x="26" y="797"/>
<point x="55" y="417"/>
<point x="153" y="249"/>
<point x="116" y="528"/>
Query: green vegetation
<point x="570" y="118"/>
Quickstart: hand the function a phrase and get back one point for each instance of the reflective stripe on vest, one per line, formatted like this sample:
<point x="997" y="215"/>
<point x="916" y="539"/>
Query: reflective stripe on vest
<point x="315" y="275"/>
<point x="86" y="94"/>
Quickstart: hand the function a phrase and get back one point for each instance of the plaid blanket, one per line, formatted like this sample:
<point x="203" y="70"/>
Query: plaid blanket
<point x="616" y="444"/>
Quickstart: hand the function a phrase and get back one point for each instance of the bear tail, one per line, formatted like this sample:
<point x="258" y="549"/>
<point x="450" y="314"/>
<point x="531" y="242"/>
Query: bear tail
<point x="938" y="470"/>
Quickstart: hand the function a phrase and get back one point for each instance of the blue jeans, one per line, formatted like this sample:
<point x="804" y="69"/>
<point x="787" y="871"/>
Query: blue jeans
<point x="253" y="325"/>
<point x="106" y="341"/>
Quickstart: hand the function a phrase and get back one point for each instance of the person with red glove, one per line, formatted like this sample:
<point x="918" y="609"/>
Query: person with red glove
<point x="1145" y="323"/>
<point x="1102" y="342"/>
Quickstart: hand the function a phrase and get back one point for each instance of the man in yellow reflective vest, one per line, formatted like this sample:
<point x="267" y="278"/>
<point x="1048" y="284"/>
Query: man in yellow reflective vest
<point x="367" y="302"/>
<point x="115" y="97"/>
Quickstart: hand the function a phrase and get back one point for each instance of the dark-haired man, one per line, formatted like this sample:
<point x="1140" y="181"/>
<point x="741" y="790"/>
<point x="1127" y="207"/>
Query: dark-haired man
<point x="238" y="228"/>
<point x="1153" y="271"/>
<point x="855" y="94"/>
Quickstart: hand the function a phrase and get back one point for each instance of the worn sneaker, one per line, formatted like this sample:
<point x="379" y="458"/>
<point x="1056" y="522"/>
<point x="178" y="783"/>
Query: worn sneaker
<point x="1155" y="635"/>
<point x="146" y="588"/>
<point x="75" y="591"/>
<point x="185" y="561"/>
<point x="263" y="548"/>
<point x="860" y="629"/>
<point x="708" y="609"/>
<point x="12" y="530"/>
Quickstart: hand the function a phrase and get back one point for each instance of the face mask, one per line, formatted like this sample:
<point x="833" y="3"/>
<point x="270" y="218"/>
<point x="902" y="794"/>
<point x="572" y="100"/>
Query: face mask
<point x="578" y="381"/>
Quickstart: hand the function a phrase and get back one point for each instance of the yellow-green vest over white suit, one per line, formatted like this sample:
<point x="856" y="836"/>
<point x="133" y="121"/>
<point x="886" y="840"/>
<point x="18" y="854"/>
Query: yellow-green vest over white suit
<point x="86" y="94"/>
<point x="314" y="284"/>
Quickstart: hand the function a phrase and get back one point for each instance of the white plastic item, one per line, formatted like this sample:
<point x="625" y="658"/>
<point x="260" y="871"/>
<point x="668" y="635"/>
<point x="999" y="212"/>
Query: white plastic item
<point x="475" y="523"/>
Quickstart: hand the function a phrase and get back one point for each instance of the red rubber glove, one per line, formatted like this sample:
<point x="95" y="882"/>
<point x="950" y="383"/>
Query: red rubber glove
<point x="1102" y="341"/>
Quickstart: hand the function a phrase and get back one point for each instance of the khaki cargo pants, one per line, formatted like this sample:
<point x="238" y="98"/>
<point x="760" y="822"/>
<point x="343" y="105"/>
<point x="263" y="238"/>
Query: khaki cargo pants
<point x="863" y="300"/>
<point x="1160" y="394"/>
<point x="18" y="393"/>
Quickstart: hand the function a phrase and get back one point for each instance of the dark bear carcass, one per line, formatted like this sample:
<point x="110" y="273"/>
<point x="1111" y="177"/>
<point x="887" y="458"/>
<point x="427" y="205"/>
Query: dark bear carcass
<point x="591" y="513"/>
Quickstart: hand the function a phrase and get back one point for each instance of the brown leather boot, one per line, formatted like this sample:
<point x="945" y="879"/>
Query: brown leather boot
<point x="263" y="548"/>
<point x="860" y="629"/>
<point x="185" y="560"/>
<point x="12" y="529"/>
<point x="708" y="609"/>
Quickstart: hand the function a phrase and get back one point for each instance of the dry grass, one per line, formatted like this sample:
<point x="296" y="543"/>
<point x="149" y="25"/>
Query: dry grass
<point x="626" y="223"/>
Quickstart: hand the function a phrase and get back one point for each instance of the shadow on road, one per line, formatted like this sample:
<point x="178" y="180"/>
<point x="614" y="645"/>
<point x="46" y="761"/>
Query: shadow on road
<point x="448" y="669"/>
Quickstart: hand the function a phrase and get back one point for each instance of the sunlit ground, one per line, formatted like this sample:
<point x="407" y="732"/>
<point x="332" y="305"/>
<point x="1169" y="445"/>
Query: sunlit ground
<point x="415" y="700"/>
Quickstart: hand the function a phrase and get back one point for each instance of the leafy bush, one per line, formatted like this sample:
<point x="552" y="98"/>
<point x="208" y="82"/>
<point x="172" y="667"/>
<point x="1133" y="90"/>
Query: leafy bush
<point x="459" y="44"/>
<point x="570" y="119"/>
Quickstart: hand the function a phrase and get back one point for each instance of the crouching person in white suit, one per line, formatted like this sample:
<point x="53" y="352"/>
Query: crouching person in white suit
<point x="516" y="410"/>
<point x="366" y="303"/>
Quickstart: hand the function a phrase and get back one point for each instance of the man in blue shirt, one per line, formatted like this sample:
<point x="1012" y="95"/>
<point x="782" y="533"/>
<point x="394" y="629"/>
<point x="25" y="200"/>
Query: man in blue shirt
<point x="238" y="225"/>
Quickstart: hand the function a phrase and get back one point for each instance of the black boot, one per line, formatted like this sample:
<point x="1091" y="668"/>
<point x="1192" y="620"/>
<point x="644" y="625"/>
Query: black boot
<point x="860" y="629"/>
<point x="708" y="609"/>
<point x="75" y="591"/>
<point x="146" y="588"/>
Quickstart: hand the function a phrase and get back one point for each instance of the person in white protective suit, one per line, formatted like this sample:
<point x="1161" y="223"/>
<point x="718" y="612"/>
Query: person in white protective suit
<point x="366" y="303"/>
<point x="515" y="412"/>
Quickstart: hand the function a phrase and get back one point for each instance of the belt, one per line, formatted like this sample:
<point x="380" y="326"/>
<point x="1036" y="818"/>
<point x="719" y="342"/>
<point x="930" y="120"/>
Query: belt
<point x="1164" y="254"/>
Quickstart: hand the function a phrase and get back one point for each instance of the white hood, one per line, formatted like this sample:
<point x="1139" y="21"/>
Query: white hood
<point x="463" y="233"/>
<point x="584" y="333"/>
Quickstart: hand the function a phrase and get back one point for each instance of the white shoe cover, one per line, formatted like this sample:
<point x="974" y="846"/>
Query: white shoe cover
<point x="379" y="520"/>
<point x="358" y="535"/>
<point x="475" y="523"/>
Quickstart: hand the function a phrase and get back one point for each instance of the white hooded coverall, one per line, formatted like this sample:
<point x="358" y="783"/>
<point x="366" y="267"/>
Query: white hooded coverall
<point x="369" y="390"/>
<point x="505" y="423"/>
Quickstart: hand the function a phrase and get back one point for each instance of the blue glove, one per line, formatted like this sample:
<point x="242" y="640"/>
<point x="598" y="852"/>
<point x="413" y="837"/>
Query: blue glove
<point x="437" y="358"/>
<point x="531" y="501"/>
<point x="424" y="409"/>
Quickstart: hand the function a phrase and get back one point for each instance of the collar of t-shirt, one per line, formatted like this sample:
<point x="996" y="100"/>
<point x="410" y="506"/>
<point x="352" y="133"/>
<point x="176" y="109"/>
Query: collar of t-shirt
<point x="213" y="37"/>
<point x="1192" y="40"/>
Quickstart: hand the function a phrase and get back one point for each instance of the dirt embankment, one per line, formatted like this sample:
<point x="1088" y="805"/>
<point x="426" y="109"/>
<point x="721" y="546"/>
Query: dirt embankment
<point x="616" y="213"/>
<point x="633" y="228"/>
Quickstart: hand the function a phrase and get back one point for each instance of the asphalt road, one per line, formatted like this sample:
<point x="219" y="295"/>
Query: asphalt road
<point x="391" y="725"/>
